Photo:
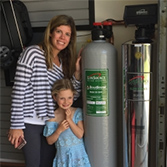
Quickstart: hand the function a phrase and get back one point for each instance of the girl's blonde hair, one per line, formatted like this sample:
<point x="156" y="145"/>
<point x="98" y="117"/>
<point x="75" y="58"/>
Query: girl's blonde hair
<point x="62" y="84"/>
<point x="68" y="55"/>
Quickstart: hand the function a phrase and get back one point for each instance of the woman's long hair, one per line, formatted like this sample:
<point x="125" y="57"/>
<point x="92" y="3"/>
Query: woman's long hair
<point x="68" y="55"/>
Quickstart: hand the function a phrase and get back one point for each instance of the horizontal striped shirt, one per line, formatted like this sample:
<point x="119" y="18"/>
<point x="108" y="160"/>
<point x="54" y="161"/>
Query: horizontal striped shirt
<point x="32" y="87"/>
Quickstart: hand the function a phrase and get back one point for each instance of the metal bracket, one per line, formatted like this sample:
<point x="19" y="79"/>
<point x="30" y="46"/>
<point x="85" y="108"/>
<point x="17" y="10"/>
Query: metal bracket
<point x="162" y="84"/>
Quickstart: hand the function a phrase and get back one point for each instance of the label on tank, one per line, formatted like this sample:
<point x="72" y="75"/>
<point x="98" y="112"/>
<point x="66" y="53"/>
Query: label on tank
<point x="138" y="86"/>
<point x="97" y="92"/>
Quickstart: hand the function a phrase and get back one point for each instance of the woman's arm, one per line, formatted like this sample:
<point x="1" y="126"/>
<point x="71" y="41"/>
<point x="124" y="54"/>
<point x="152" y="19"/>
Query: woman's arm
<point x="77" y="73"/>
<point x="76" y="79"/>
<point x="22" y="78"/>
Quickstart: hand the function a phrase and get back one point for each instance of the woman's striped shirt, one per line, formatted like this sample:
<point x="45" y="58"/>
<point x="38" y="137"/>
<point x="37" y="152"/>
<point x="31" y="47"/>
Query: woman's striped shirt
<point x="32" y="87"/>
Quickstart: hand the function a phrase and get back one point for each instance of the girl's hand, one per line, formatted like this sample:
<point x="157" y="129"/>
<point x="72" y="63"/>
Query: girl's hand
<point x="68" y="114"/>
<point x="14" y="135"/>
<point x="63" y="126"/>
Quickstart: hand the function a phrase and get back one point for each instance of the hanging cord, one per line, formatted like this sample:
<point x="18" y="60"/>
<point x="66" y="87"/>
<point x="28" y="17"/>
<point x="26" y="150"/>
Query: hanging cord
<point x="7" y="25"/>
<point x="17" y="27"/>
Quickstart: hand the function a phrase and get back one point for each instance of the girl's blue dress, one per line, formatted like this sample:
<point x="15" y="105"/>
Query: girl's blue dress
<point x="70" y="149"/>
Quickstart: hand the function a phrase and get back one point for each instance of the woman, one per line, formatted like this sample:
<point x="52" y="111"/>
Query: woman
<point x="38" y="67"/>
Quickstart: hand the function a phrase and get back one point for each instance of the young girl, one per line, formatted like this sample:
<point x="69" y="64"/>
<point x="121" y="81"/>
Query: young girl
<point x="66" y="129"/>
